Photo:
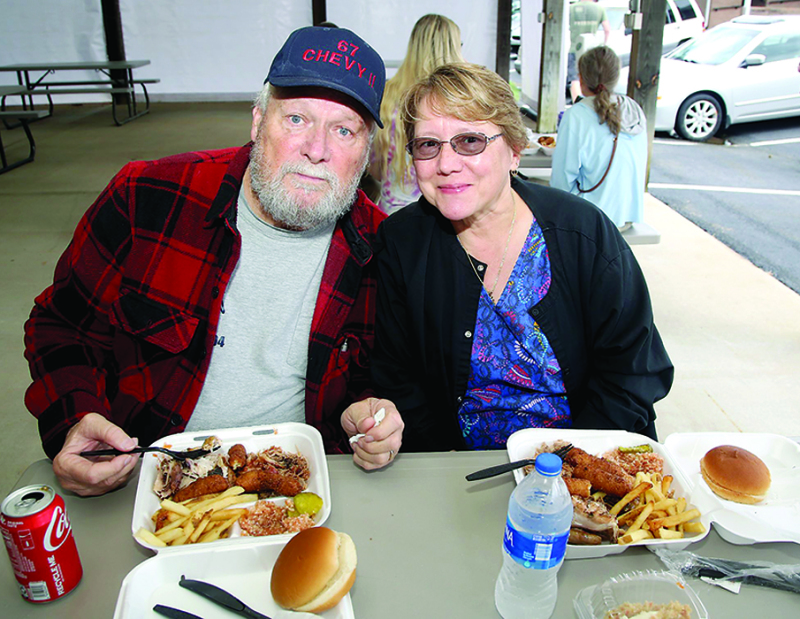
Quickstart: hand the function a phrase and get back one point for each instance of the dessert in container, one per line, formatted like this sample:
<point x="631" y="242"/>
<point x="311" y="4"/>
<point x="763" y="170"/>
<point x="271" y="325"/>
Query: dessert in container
<point x="595" y="601"/>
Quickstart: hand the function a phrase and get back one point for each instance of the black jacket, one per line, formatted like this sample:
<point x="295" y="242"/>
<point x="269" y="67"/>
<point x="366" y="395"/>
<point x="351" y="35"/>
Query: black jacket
<point x="596" y="315"/>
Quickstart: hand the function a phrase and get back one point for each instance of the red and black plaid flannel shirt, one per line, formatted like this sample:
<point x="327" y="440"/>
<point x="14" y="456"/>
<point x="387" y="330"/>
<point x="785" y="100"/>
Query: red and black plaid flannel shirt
<point x="126" y="328"/>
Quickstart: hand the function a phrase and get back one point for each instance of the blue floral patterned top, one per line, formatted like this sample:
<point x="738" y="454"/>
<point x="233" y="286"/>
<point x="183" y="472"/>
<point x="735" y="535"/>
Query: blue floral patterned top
<point x="515" y="381"/>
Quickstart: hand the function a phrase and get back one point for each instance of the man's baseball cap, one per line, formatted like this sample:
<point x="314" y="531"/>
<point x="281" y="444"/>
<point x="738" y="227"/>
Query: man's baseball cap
<point x="334" y="58"/>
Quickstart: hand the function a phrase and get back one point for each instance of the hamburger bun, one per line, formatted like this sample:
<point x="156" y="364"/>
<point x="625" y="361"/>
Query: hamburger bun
<point x="735" y="474"/>
<point x="314" y="570"/>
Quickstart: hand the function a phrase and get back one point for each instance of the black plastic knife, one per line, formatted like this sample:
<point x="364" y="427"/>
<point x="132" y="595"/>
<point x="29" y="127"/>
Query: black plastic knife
<point x="221" y="597"/>
<point x="173" y="613"/>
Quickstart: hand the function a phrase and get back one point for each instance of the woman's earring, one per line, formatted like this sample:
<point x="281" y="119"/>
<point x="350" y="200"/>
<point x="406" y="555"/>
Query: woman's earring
<point x="514" y="172"/>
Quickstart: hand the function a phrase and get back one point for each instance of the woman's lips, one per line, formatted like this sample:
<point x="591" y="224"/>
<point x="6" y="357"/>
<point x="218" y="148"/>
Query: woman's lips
<point x="454" y="188"/>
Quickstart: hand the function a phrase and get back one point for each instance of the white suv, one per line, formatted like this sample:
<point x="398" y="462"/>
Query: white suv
<point x="683" y="21"/>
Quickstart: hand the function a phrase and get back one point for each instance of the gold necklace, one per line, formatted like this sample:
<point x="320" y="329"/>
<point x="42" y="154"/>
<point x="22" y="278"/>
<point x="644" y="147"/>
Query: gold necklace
<point x="502" y="260"/>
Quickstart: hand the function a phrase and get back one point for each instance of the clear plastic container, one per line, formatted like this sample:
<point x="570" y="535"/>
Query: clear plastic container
<point x="637" y="587"/>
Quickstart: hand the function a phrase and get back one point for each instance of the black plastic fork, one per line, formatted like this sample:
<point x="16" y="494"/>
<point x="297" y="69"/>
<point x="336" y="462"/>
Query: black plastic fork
<point x="178" y="455"/>
<point x="499" y="469"/>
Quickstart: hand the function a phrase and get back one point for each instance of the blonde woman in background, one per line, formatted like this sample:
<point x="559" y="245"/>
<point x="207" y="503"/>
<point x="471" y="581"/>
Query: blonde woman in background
<point x="435" y="40"/>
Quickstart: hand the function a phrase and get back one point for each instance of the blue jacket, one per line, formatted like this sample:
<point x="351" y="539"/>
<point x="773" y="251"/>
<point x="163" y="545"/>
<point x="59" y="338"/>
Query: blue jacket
<point x="583" y="151"/>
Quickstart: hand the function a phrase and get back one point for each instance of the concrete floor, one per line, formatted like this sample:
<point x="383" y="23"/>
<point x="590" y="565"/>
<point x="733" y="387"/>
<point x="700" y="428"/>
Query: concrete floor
<point x="733" y="331"/>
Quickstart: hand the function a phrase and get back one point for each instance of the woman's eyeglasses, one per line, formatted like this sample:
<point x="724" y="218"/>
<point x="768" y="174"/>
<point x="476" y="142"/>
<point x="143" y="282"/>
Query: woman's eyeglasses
<point x="467" y="144"/>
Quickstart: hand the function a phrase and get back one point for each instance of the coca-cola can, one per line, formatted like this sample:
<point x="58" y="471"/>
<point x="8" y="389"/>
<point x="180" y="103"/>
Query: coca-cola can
<point x="38" y="537"/>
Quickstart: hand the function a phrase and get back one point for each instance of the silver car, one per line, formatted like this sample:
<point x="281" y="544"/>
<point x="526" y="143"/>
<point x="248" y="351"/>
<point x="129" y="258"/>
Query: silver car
<point x="744" y="70"/>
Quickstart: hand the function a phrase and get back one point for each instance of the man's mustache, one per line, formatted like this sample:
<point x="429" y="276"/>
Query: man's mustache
<point x="313" y="171"/>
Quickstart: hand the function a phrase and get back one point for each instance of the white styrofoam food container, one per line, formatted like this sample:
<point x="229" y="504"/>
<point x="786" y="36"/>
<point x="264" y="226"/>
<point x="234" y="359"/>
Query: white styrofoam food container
<point x="777" y="517"/>
<point x="524" y="443"/>
<point x="637" y="587"/>
<point x="243" y="571"/>
<point x="291" y="437"/>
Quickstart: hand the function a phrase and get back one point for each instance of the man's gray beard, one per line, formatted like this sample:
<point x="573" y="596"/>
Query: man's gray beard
<point x="279" y="204"/>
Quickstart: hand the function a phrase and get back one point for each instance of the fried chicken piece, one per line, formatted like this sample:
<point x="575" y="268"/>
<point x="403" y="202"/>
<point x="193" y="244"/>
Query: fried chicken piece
<point x="270" y="478"/>
<point x="602" y="474"/>
<point x="579" y="487"/>
<point x="204" y="485"/>
<point x="160" y="518"/>
<point x="237" y="456"/>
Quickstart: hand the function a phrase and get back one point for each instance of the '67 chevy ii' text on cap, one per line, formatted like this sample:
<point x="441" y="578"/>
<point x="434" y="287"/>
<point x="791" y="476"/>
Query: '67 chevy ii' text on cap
<point x="334" y="58"/>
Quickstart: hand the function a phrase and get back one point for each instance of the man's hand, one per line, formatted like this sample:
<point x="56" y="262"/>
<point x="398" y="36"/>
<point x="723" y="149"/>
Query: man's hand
<point x="94" y="477"/>
<point x="381" y="443"/>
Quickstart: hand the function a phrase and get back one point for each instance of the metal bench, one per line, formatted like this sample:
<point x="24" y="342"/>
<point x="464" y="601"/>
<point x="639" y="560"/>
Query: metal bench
<point x="121" y="87"/>
<point x="105" y="87"/>
<point x="23" y="118"/>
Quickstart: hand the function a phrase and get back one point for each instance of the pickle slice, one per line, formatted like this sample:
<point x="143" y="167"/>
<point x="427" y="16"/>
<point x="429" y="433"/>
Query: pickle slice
<point x="308" y="503"/>
<point x="637" y="449"/>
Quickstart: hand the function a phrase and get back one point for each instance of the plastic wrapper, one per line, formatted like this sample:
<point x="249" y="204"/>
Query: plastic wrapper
<point x="785" y="577"/>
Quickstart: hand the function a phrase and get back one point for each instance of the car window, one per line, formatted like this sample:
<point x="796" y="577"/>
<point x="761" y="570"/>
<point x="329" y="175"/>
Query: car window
<point x="716" y="46"/>
<point x="616" y="17"/>
<point x="686" y="9"/>
<point x="670" y="18"/>
<point x="779" y="47"/>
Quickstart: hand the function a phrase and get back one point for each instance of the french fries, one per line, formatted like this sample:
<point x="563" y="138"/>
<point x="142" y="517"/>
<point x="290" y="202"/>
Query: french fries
<point x="148" y="537"/>
<point x="653" y="511"/>
<point x="637" y="524"/>
<point x="636" y="536"/>
<point x="637" y="491"/>
<point x="203" y="519"/>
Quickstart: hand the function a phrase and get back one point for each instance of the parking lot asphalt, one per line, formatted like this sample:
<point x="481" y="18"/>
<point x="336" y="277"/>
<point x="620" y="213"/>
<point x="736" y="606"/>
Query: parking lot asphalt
<point x="743" y="188"/>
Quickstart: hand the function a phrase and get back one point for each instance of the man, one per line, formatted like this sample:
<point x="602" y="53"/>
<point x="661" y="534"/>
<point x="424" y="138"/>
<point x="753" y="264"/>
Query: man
<point x="224" y="288"/>
<point x="585" y="17"/>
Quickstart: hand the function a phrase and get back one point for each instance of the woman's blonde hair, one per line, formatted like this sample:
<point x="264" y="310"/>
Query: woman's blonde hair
<point x="599" y="68"/>
<point x="435" y="40"/>
<point x="471" y="93"/>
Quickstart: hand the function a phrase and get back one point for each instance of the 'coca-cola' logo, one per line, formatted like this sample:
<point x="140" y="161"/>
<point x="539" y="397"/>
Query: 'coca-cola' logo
<point x="57" y="531"/>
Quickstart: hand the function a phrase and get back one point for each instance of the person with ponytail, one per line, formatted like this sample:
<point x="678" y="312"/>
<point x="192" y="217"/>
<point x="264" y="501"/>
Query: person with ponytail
<point x="435" y="40"/>
<point x="601" y="150"/>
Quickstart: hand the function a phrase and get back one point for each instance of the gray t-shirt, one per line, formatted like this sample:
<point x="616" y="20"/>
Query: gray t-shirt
<point x="258" y="362"/>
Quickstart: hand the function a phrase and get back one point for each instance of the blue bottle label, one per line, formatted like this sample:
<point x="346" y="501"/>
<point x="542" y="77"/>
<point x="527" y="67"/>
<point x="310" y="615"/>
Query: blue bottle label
<point x="540" y="552"/>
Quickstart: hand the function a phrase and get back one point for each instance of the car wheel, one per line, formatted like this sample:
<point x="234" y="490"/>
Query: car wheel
<point x="699" y="117"/>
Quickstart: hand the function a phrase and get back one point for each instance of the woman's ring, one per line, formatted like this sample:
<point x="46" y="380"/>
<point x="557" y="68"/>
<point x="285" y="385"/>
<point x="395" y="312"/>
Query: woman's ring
<point x="391" y="455"/>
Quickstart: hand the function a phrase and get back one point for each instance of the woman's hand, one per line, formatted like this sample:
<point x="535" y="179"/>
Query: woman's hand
<point x="94" y="477"/>
<point x="381" y="442"/>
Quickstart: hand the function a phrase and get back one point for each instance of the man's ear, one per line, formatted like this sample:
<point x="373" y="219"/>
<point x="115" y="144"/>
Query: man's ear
<point x="257" y="116"/>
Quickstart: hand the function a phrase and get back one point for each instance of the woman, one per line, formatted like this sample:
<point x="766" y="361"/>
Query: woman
<point x="601" y="151"/>
<point x="504" y="305"/>
<point x="435" y="40"/>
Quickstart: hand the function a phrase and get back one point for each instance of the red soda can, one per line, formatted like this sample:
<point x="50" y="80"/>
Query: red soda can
<point x="38" y="537"/>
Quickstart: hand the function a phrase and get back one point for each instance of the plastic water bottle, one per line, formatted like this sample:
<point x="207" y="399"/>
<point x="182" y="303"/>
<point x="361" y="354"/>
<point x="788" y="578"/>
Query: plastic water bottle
<point x="534" y="543"/>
